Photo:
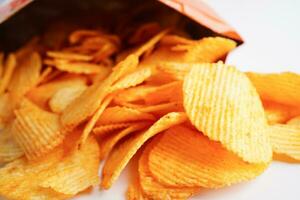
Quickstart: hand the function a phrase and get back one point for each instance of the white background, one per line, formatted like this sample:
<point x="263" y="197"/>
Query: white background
<point x="271" y="30"/>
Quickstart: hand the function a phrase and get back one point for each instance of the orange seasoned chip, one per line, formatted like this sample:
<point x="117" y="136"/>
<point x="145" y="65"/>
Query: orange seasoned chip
<point x="69" y="56"/>
<point x="35" y="130"/>
<point x="108" y="142"/>
<point x="79" y="67"/>
<point x="175" y="40"/>
<point x="64" y="96"/>
<point x="117" y="114"/>
<point x="285" y="139"/>
<point x="221" y="102"/>
<point x="103" y="130"/>
<point x="9" y="67"/>
<point x="186" y="158"/>
<point x="78" y="35"/>
<point x="152" y="188"/>
<point x="1" y="63"/>
<point x="279" y="88"/>
<point x="9" y="150"/>
<point x="120" y="156"/>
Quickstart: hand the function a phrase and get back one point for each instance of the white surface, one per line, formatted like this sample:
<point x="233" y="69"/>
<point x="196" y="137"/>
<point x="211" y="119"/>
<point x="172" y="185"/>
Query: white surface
<point x="271" y="30"/>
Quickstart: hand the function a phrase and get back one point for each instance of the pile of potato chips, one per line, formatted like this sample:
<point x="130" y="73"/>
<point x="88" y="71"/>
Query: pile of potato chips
<point x="165" y="100"/>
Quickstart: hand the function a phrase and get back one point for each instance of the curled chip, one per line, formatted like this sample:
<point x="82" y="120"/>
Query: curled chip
<point x="107" y="143"/>
<point x="35" y="130"/>
<point x="69" y="56"/>
<point x="122" y="153"/>
<point x="59" y="175"/>
<point x="197" y="161"/>
<point x="9" y="150"/>
<point x="221" y="102"/>
<point x="280" y="88"/>
<point x="64" y="96"/>
<point x="152" y="188"/>
<point x="285" y="139"/>
<point x="117" y="114"/>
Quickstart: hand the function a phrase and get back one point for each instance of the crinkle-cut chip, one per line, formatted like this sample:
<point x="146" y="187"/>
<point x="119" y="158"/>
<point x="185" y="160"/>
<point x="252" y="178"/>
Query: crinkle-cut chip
<point x="155" y="190"/>
<point x="63" y="97"/>
<point x="69" y="56"/>
<point x="294" y="121"/>
<point x="9" y="67"/>
<point x="104" y="130"/>
<point x="78" y="35"/>
<point x="205" y="50"/>
<point x="123" y="152"/>
<point x="134" y="192"/>
<point x="108" y="142"/>
<point x="6" y="109"/>
<point x="59" y="175"/>
<point x="133" y="79"/>
<point x="75" y="173"/>
<point x="144" y="32"/>
<point x="35" y="130"/>
<point x="25" y="76"/>
<point x="41" y="94"/>
<point x="151" y="43"/>
<point x="221" y="102"/>
<point x="280" y="88"/>
<point x="117" y="114"/>
<point x="9" y="150"/>
<point x="186" y="158"/>
<point x="285" y="139"/>
<point x="175" y="40"/>
<point x="79" y="67"/>
<point x="92" y="122"/>
<point x="89" y="101"/>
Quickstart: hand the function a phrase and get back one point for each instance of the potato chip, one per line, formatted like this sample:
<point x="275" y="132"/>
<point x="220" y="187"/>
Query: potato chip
<point x="120" y="156"/>
<point x="103" y="130"/>
<point x="64" y="96"/>
<point x="9" y="68"/>
<point x="134" y="192"/>
<point x="9" y="150"/>
<point x="285" y="139"/>
<point x="197" y="161"/>
<point x="107" y="143"/>
<point x="117" y="114"/>
<point x="69" y="56"/>
<point x="79" y="67"/>
<point x="144" y="32"/>
<point x="1" y="63"/>
<point x="89" y="101"/>
<point x="46" y="72"/>
<point x="176" y="70"/>
<point x="6" y="110"/>
<point x="284" y="158"/>
<point x="35" y="130"/>
<point x="26" y="76"/>
<point x="175" y="40"/>
<point x="31" y="46"/>
<point x="221" y="102"/>
<point x="280" y="88"/>
<point x="56" y="176"/>
<point x="135" y="78"/>
<point x="155" y="190"/>
<point x="294" y="121"/>
<point x="78" y="35"/>
<point x="105" y="52"/>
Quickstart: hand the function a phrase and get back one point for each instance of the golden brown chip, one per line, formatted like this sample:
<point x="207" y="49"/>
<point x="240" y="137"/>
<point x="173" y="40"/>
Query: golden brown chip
<point x="108" y="142"/>
<point x="35" y="130"/>
<point x="221" y="102"/>
<point x="9" y="150"/>
<point x="6" y="110"/>
<point x="285" y="139"/>
<point x="103" y="130"/>
<point x="280" y="88"/>
<point x="78" y="35"/>
<point x="9" y="67"/>
<point x="117" y="114"/>
<point x="69" y="56"/>
<point x="1" y="63"/>
<point x="144" y="32"/>
<point x="120" y="155"/>
<point x="175" y="40"/>
<point x="64" y="96"/>
<point x="186" y="158"/>
<point x="176" y="70"/>
<point x="294" y="121"/>
<point x="155" y="190"/>
<point x="79" y="67"/>
<point x="46" y="72"/>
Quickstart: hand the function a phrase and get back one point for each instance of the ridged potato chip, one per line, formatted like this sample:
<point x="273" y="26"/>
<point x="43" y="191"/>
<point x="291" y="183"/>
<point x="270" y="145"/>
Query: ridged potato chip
<point x="280" y="88"/>
<point x="64" y="96"/>
<point x="285" y="139"/>
<point x="152" y="188"/>
<point x="106" y="129"/>
<point x="35" y="130"/>
<point x="9" y="67"/>
<point x="117" y="114"/>
<point x="222" y="103"/>
<point x="9" y="150"/>
<point x="186" y="158"/>
<point x="107" y="143"/>
<point x="122" y="153"/>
